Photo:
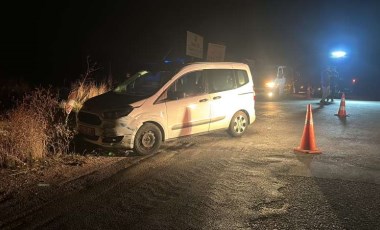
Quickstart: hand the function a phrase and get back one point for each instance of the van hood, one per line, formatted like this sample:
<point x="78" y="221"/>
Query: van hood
<point x="111" y="101"/>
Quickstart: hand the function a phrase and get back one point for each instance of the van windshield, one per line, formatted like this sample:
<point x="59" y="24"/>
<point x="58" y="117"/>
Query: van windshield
<point x="143" y="83"/>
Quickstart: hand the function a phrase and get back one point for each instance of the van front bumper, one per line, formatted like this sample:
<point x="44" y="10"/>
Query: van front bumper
<point x="109" y="133"/>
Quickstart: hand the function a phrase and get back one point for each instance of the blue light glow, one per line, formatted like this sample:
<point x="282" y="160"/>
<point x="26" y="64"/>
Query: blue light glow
<point x="338" y="54"/>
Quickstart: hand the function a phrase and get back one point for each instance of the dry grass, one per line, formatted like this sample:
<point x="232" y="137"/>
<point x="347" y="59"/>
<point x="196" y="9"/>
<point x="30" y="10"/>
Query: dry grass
<point x="38" y="126"/>
<point x="34" y="129"/>
<point x="82" y="90"/>
<point x="85" y="88"/>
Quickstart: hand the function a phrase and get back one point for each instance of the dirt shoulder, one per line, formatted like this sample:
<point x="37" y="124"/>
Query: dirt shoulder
<point x="25" y="189"/>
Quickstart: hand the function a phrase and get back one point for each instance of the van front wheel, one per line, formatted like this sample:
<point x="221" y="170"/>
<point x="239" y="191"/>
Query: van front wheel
<point x="148" y="139"/>
<point x="238" y="124"/>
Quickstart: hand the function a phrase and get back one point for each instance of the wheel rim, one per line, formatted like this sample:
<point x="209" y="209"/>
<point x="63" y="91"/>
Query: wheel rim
<point x="240" y="124"/>
<point x="148" y="139"/>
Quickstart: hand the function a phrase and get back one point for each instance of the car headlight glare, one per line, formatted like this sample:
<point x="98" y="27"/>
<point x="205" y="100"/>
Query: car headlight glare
<point x="270" y="84"/>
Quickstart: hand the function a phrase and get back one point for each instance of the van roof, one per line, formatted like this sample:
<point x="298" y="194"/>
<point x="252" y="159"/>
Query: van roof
<point x="216" y="64"/>
<point x="206" y="65"/>
<point x="190" y="63"/>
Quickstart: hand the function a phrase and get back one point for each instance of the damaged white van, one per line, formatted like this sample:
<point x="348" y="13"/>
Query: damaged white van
<point x="154" y="106"/>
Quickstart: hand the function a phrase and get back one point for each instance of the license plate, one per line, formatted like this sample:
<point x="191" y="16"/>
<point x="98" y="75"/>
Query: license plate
<point x="86" y="130"/>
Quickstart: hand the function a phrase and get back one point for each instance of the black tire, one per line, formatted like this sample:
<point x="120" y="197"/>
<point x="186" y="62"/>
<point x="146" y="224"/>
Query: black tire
<point x="148" y="139"/>
<point x="238" y="124"/>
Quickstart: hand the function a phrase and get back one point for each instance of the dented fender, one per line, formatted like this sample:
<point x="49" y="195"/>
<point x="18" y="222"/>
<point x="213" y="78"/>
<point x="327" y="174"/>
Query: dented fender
<point x="129" y="125"/>
<point x="124" y="126"/>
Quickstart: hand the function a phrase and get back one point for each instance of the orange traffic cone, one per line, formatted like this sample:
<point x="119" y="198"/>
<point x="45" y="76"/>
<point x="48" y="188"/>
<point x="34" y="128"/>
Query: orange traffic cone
<point x="342" y="108"/>
<point x="308" y="139"/>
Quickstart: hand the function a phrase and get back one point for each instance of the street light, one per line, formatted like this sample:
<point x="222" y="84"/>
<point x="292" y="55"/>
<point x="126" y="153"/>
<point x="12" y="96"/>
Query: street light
<point x="338" y="54"/>
<point x="337" y="57"/>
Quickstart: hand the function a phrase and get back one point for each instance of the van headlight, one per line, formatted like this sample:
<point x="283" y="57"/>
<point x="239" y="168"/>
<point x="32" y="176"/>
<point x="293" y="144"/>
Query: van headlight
<point x="114" y="114"/>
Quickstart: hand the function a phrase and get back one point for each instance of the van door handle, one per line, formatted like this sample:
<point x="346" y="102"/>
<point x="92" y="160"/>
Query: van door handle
<point x="203" y="100"/>
<point x="217" y="97"/>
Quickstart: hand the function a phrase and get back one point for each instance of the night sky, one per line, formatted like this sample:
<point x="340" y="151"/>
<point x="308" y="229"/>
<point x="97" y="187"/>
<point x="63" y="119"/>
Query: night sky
<point x="48" y="41"/>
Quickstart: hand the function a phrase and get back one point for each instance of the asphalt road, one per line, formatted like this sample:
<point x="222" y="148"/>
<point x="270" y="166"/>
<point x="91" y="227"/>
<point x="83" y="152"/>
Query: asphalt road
<point x="254" y="182"/>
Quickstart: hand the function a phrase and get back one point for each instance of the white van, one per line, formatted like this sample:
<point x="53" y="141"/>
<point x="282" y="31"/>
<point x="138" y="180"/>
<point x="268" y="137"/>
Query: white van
<point x="151" y="107"/>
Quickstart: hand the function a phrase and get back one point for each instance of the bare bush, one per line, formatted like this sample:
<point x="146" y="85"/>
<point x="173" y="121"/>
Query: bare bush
<point x="86" y="88"/>
<point x="34" y="129"/>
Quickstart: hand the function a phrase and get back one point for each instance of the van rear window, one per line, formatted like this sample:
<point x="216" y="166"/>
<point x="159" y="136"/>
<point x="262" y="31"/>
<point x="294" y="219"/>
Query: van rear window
<point x="242" y="77"/>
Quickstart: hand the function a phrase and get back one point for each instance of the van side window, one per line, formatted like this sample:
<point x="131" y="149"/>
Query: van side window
<point x="220" y="80"/>
<point x="189" y="85"/>
<point x="242" y="77"/>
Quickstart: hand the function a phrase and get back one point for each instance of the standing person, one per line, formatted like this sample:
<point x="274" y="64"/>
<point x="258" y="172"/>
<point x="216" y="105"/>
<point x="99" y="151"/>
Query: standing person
<point x="325" y="83"/>
<point x="333" y="76"/>
<point x="280" y="80"/>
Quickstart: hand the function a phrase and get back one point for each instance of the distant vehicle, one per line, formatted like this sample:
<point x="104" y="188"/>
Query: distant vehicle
<point x="154" y="106"/>
<point x="278" y="85"/>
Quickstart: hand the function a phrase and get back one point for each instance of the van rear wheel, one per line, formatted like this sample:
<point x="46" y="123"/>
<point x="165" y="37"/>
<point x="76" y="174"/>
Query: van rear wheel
<point x="148" y="139"/>
<point x="238" y="124"/>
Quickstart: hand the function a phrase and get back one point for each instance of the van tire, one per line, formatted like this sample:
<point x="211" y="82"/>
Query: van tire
<point x="238" y="124"/>
<point x="148" y="139"/>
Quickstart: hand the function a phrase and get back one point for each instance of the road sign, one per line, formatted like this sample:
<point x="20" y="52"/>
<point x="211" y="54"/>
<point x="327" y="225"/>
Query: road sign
<point x="194" y="45"/>
<point x="215" y="52"/>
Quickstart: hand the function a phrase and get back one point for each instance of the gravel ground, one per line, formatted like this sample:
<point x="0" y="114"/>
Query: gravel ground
<point x="27" y="188"/>
<point x="315" y="203"/>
